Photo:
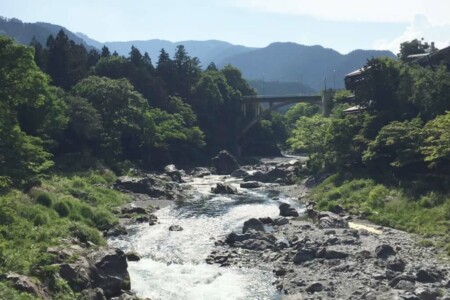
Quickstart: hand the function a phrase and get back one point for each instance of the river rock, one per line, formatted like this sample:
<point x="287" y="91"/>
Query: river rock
<point x="239" y="173"/>
<point x="151" y="185"/>
<point x="223" y="188"/>
<point x="396" y="264"/>
<point x="254" y="224"/>
<point x="152" y="219"/>
<point x="287" y="211"/>
<point x="27" y="284"/>
<point x="175" y="228"/>
<point x="134" y="210"/>
<point x="304" y="255"/>
<point x="384" y="251"/>
<point x="250" y="185"/>
<point x="426" y="294"/>
<point x="258" y="176"/>
<point x="330" y="220"/>
<point x="117" y="231"/>
<point x="314" y="288"/>
<point x="429" y="275"/>
<point x="200" y="172"/>
<point x="93" y="294"/>
<point x="173" y="173"/>
<point x="225" y="163"/>
<point x="76" y="274"/>
<point x="132" y="256"/>
<point x="109" y="271"/>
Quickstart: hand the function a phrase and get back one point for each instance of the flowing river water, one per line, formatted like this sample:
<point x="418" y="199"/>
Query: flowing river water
<point x="172" y="264"/>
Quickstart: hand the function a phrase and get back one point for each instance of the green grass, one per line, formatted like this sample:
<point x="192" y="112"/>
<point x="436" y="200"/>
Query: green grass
<point x="427" y="215"/>
<point x="61" y="208"/>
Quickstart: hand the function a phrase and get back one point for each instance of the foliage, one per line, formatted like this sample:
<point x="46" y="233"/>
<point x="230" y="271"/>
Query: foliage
<point x="28" y="104"/>
<point x="412" y="47"/>
<point x="436" y="145"/>
<point x="397" y="145"/>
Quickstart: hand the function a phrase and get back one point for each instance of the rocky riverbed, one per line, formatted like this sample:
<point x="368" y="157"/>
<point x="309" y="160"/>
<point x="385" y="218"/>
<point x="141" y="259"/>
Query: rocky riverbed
<point x="245" y="235"/>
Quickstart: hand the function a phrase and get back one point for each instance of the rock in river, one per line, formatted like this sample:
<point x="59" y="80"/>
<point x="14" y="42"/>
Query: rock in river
<point x="225" y="163"/>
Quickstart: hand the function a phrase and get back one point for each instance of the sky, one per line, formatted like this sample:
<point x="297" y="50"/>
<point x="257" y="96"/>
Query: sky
<point x="343" y="25"/>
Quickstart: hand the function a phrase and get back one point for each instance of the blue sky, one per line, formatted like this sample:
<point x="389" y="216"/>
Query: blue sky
<point x="343" y="25"/>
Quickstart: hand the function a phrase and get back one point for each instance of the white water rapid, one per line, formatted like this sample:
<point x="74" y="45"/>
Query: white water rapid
<point x="172" y="264"/>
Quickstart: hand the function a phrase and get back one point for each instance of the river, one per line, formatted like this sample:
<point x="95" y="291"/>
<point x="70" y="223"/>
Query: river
<point x="172" y="264"/>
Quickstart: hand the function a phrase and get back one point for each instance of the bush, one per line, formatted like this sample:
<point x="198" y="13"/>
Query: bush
<point x="44" y="199"/>
<point x="62" y="208"/>
<point x="85" y="233"/>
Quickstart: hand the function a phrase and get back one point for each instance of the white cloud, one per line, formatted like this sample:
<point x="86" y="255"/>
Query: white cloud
<point x="419" y="27"/>
<point x="395" y="11"/>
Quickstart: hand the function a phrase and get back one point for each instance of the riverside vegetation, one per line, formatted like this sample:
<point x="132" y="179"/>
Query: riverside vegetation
<point x="70" y="120"/>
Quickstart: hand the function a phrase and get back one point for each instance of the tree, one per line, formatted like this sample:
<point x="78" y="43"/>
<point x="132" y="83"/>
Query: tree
<point x="122" y="112"/>
<point x="412" y="47"/>
<point x="105" y="52"/>
<point x="436" y="146"/>
<point x="22" y="85"/>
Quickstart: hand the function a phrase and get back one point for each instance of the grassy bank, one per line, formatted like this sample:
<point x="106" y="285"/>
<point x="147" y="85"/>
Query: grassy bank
<point x="61" y="209"/>
<point x="427" y="214"/>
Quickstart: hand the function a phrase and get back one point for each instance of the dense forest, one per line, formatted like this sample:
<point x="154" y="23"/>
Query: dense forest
<point x="68" y="104"/>
<point x="72" y="119"/>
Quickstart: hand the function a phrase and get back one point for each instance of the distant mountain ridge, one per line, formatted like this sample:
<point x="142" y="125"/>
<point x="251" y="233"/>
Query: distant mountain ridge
<point x="24" y="32"/>
<point x="311" y="66"/>
<point x="314" y="66"/>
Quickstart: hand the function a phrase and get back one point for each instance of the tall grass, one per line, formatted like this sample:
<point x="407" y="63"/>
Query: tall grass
<point x="427" y="215"/>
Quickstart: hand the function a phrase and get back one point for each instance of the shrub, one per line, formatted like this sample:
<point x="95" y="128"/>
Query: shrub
<point x="62" y="208"/>
<point x="44" y="199"/>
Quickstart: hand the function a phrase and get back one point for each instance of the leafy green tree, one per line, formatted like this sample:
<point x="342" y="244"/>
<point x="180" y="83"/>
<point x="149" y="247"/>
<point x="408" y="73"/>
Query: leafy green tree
<point x="396" y="145"/>
<point x="22" y="84"/>
<point x="122" y="112"/>
<point x="300" y="110"/>
<point x="312" y="136"/>
<point x="430" y="92"/>
<point x="412" y="47"/>
<point x="436" y="146"/>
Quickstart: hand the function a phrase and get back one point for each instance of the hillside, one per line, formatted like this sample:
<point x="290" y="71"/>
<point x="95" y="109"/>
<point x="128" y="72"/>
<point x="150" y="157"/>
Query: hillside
<point x="23" y="32"/>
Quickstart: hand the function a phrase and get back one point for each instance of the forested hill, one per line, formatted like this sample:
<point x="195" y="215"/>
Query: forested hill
<point x="278" y="62"/>
<point x="307" y="64"/>
<point x="25" y="32"/>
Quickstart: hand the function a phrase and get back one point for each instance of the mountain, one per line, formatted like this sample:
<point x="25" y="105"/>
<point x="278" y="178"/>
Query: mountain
<point x="24" y="32"/>
<point x="309" y="65"/>
<point x="206" y="51"/>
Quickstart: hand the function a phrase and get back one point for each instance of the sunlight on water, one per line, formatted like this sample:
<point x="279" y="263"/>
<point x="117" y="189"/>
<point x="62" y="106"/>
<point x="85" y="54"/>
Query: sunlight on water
<point x="173" y="264"/>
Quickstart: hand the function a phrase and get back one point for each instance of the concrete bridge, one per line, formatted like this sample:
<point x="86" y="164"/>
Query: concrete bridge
<point x="276" y="102"/>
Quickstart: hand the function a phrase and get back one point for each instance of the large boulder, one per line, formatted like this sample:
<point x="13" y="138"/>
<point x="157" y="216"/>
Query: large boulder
<point x="239" y="173"/>
<point x="254" y="224"/>
<point x="223" y="188"/>
<point x="173" y="173"/>
<point x="76" y="274"/>
<point x="258" y="176"/>
<point x="331" y="220"/>
<point x="304" y="255"/>
<point x="140" y="185"/>
<point x="200" y="172"/>
<point x="287" y="211"/>
<point x="384" y="251"/>
<point x="27" y="284"/>
<point x="225" y="163"/>
<point x="250" y="185"/>
<point x="109" y="271"/>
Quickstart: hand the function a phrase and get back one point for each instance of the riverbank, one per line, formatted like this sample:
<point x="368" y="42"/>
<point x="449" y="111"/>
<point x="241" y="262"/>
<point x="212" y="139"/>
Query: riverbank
<point x="315" y="255"/>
